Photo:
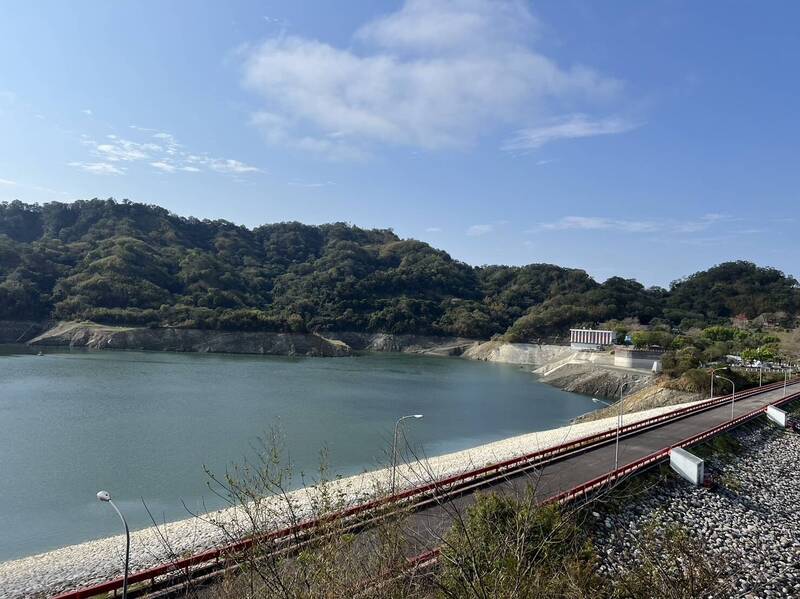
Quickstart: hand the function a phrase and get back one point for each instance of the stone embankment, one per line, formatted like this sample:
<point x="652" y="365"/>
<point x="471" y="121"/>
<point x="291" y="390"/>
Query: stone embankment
<point x="749" y="525"/>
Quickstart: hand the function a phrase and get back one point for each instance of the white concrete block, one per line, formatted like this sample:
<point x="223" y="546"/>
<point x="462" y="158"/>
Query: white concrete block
<point x="687" y="465"/>
<point x="777" y="415"/>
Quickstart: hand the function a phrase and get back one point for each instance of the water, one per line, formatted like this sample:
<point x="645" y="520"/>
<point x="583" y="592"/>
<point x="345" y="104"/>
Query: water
<point x="144" y="425"/>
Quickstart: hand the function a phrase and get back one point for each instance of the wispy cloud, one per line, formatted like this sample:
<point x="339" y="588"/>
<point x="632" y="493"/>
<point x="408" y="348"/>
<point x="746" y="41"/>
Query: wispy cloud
<point x="230" y="166"/>
<point x="601" y="223"/>
<point x="157" y="149"/>
<point x="433" y="74"/>
<point x="99" y="168"/>
<point x="574" y="126"/>
<point x="433" y="230"/>
<point x="164" y="166"/>
<point x="479" y="230"/>
<point x="39" y="188"/>
<point x="87" y="111"/>
<point x="311" y="185"/>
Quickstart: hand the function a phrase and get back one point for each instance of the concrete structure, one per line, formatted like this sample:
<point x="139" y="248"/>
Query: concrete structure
<point x="590" y="338"/>
<point x="777" y="416"/>
<point x="645" y="359"/>
<point x="688" y="466"/>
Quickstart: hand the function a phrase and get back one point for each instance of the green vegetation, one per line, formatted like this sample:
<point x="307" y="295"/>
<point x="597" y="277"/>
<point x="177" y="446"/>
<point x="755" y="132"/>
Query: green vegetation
<point x="133" y="264"/>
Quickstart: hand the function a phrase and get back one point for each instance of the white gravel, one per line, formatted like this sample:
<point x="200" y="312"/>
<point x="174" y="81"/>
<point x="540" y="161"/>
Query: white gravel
<point x="95" y="561"/>
<point x="749" y="525"/>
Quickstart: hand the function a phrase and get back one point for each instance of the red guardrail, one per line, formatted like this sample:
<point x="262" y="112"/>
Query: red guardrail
<point x="633" y="467"/>
<point x="576" y="445"/>
<point x="661" y="454"/>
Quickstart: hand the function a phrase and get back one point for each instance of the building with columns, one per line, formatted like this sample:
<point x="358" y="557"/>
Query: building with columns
<point x="592" y="339"/>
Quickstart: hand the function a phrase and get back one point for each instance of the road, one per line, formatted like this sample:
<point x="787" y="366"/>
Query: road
<point x="427" y="525"/>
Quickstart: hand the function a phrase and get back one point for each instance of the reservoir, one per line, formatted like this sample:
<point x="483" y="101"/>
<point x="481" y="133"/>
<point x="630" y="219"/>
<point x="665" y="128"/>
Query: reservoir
<point x="144" y="425"/>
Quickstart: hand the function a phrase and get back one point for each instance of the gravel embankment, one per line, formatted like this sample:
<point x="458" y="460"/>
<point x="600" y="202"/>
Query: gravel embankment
<point x="749" y="524"/>
<point x="95" y="561"/>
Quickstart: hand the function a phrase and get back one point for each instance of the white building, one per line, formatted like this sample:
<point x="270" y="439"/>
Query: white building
<point x="590" y="338"/>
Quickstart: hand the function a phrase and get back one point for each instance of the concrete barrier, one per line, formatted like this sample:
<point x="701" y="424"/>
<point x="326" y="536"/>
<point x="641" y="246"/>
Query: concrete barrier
<point x="688" y="466"/>
<point x="777" y="415"/>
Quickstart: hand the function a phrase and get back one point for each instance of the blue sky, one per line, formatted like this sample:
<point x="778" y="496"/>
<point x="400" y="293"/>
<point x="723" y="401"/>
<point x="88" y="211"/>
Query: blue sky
<point x="647" y="140"/>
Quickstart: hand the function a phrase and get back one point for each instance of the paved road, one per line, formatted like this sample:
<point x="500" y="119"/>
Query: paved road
<point x="430" y="523"/>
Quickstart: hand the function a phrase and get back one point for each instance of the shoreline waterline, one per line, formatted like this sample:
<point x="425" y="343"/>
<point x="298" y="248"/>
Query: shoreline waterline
<point x="99" y="560"/>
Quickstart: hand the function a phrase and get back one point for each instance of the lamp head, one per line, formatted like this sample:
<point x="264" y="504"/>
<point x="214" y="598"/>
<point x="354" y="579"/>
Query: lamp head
<point x="104" y="496"/>
<point x="418" y="415"/>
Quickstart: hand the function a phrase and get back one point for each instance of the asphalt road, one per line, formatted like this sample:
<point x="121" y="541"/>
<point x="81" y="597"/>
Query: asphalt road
<point x="426" y="526"/>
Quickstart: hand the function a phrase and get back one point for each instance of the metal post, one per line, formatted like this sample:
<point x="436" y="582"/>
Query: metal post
<point x="619" y="422"/>
<point x="394" y="450"/>
<point x="733" y="396"/>
<point x="105" y="496"/>
<point x="713" y="372"/>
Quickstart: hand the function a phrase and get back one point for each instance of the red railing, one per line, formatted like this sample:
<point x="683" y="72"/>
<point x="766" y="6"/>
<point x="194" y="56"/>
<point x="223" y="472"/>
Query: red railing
<point x="636" y="466"/>
<point x="645" y="462"/>
<point x="447" y="484"/>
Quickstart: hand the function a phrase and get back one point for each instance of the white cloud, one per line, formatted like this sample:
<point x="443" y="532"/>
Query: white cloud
<point x="478" y="230"/>
<point x="573" y="126"/>
<point x="435" y="74"/>
<point x="433" y="230"/>
<point x="230" y="166"/>
<point x="87" y="111"/>
<point x="164" y="166"/>
<point x="7" y="182"/>
<point x="158" y="149"/>
<point x="599" y="223"/>
<point x="99" y="168"/>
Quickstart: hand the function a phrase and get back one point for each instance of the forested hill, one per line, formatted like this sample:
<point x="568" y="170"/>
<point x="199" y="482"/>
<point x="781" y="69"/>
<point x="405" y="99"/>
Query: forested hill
<point x="127" y="263"/>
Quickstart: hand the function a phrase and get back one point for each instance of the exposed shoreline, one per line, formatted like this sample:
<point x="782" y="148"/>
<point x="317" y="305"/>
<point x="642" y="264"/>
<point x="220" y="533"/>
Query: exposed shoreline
<point x="328" y="344"/>
<point x="94" y="561"/>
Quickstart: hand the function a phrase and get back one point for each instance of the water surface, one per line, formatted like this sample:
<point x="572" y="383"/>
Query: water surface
<point x="144" y="424"/>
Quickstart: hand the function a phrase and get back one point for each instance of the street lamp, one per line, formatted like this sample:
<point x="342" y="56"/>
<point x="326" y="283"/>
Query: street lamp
<point x="105" y="497"/>
<point x="394" y="447"/>
<point x="785" y="379"/>
<point x="619" y="421"/>
<point x="733" y="396"/>
<point x="713" y="370"/>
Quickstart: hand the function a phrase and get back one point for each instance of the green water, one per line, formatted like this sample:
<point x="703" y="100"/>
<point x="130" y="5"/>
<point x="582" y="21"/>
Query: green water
<point x="144" y="424"/>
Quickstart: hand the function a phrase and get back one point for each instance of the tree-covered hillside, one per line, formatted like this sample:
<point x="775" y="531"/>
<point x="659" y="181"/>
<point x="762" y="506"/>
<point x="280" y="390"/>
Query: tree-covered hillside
<point x="127" y="263"/>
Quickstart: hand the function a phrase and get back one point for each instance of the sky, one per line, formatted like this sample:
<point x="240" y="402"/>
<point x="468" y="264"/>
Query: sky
<point x="639" y="139"/>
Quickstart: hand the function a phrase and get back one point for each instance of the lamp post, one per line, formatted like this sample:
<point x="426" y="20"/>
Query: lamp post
<point x="785" y="379"/>
<point x="713" y="371"/>
<point x="733" y="396"/>
<point x="619" y="421"/>
<point x="394" y="448"/>
<point x="105" y="497"/>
